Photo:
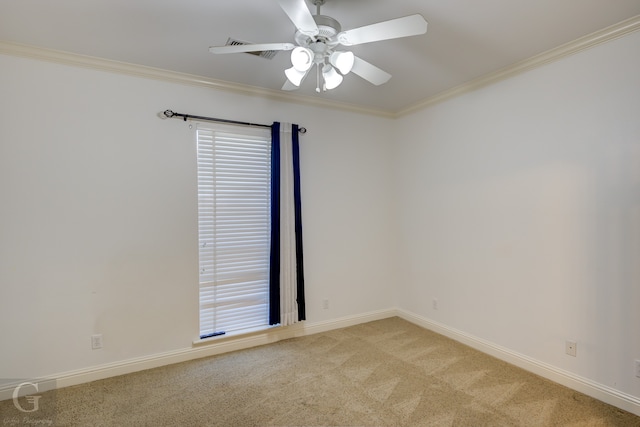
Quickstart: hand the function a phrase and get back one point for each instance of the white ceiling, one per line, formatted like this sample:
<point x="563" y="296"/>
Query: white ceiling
<point x="466" y="39"/>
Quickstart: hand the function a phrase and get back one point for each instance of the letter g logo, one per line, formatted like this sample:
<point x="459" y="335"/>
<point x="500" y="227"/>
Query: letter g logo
<point x="31" y="399"/>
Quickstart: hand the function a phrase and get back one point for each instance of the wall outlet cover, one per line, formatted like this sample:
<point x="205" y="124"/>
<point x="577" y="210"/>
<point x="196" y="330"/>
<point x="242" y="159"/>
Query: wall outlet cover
<point x="96" y="341"/>
<point x="571" y="348"/>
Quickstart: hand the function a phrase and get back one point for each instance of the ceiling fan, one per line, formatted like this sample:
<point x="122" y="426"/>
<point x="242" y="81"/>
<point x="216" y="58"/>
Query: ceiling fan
<point x="317" y="40"/>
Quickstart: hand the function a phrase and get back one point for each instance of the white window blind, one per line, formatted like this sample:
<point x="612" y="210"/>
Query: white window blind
<point x="234" y="185"/>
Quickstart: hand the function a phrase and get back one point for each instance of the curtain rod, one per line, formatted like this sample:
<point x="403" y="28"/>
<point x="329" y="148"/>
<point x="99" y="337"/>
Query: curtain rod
<point x="170" y="114"/>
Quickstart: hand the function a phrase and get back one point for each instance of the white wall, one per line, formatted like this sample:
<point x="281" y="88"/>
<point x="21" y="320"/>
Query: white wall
<point x="519" y="210"/>
<point x="98" y="221"/>
<point x="517" y="206"/>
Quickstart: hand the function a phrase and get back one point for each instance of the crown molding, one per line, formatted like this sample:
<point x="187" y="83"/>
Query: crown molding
<point x="67" y="58"/>
<point x="607" y="34"/>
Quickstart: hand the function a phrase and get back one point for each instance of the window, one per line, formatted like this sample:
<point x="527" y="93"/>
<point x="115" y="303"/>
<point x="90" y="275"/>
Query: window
<point x="234" y="169"/>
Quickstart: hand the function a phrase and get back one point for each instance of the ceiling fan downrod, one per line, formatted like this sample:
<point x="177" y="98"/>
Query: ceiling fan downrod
<point x="317" y="4"/>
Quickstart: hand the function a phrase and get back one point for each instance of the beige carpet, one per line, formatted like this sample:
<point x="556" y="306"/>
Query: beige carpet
<point x="383" y="373"/>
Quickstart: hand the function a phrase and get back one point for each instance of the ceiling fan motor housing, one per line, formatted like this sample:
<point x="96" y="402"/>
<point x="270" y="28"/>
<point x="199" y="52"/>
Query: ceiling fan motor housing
<point x="328" y="28"/>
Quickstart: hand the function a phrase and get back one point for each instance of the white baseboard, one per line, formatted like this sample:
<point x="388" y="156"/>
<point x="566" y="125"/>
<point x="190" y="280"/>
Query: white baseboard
<point x="590" y="388"/>
<point x="205" y="349"/>
<point x="225" y="345"/>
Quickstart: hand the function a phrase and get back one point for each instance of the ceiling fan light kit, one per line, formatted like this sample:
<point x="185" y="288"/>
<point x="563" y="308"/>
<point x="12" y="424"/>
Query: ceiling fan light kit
<point x="295" y="76"/>
<point x="318" y="36"/>
<point x="302" y="58"/>
<point x="331" y="77"/>
<point x="343" y="61"/>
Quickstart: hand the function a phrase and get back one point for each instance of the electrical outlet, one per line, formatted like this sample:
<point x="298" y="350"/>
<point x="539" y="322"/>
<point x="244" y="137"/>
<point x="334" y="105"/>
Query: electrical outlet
<point x="638" y="368"/>
<point x="325" y="304"/>
<point x="96" y="341"/>
<point x="434" y="303"/>
<point x="571" y="348"/>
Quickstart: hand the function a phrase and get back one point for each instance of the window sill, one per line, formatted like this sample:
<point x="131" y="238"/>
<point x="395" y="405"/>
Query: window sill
<point x="235" y="334"/>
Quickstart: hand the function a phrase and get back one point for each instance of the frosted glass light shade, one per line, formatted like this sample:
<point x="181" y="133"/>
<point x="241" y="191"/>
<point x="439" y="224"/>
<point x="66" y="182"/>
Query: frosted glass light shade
<point x="295" y="76"/>
<point x="343" y="61"/>
<point x="331" y="77"/>
<point x="301" y="58"/>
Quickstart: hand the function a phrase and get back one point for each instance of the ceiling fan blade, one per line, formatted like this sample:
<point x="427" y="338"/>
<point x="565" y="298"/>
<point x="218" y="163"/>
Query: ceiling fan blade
<point x="240" y="48"/>
<point x="300" y="15"/>
<point x="412" y="25"/>
<point x="370" y="72"/>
